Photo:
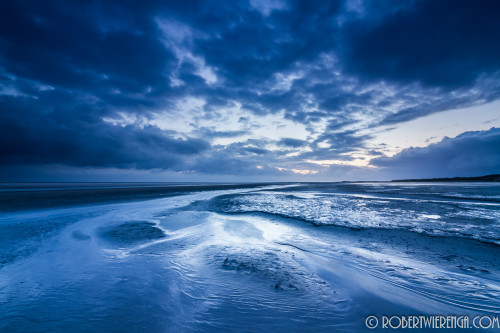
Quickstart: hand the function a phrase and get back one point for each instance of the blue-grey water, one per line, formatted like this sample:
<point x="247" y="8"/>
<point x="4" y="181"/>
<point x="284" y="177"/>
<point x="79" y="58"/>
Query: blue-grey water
<point x="261" y="257"/>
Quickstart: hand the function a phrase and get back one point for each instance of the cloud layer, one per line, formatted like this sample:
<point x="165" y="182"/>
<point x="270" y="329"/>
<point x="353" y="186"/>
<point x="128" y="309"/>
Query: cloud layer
<point x="469" y="154"/>
<point x="260" y="88"/>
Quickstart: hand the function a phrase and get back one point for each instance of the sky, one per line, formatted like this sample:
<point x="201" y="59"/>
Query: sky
<point x="254" y="90"/>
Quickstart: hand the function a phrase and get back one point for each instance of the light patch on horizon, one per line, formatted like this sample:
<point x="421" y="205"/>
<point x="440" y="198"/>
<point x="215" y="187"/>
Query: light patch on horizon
<point x="357" y="162"/>
<point x="433" y="128"/>
<point x="304" y="171"/>
<point x="299" y="171"/>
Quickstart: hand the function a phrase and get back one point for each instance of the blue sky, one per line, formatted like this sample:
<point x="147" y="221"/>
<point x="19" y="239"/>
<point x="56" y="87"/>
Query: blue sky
<point x="248" y="90"/>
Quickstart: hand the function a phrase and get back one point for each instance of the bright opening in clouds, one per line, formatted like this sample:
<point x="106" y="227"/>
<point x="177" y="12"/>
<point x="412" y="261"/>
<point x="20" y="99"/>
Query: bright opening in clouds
<point x="248" y="90"/>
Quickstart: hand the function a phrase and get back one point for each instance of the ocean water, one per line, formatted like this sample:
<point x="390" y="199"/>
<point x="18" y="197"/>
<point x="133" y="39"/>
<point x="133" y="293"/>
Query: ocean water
<point x="256" y="258"/>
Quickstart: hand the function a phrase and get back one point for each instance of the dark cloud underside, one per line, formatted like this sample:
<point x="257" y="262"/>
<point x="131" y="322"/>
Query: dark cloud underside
<point x="469" y="154"/>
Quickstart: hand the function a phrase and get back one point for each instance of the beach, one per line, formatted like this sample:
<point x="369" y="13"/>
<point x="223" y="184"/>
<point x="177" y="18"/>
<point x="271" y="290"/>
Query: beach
<point x="270" y="257"/>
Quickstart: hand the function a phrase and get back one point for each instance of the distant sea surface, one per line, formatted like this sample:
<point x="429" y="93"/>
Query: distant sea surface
<point x="170" y="257"/>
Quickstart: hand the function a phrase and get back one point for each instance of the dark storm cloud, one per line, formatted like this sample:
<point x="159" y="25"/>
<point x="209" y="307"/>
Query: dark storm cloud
<point x="470" y="153"/>
<point x="445" y="43"/>
<point x="69" y="70"/>
<point x="32" y="134"/>
<point x="436" y="103"/>
<point x="251" y="48"/>
<point x="77" y="46"/>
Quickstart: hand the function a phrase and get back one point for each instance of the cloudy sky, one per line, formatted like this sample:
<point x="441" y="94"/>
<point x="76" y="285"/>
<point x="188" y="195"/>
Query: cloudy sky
<point x="251" y="90"/>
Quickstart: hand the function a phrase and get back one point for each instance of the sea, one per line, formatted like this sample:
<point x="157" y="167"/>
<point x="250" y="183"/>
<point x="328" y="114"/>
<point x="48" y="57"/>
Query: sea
<point x="284" y="257"/>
